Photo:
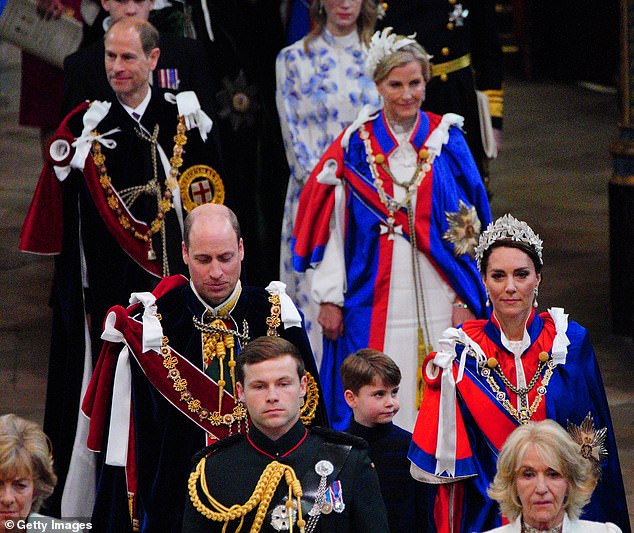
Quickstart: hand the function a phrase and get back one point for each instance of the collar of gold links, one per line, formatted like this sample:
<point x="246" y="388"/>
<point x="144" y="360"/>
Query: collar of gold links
<point x="422" y="168"/>
<point x="261" y="497"/>
<point x="194" y="405"/>
<point x="523" y="416"/>
<point x="171" y="182"/>
<point x="309" y="407"/>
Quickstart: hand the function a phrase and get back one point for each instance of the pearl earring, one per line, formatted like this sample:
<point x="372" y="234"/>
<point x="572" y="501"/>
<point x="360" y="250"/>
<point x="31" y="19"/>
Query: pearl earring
<point x="536" y="291"/>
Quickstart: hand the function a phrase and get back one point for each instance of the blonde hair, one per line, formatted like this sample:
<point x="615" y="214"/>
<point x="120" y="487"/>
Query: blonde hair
<point x="319" y="18"/>
<point x="557" y="449"/>
<point x="25" y="449"/>
<point x="403" y="56"/>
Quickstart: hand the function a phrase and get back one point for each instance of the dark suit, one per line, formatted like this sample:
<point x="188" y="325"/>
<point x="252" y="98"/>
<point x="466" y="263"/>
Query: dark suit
<point x="409" y="503"/>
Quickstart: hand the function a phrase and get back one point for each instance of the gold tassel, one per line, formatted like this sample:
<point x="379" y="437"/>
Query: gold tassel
<point x="424" y="350"/>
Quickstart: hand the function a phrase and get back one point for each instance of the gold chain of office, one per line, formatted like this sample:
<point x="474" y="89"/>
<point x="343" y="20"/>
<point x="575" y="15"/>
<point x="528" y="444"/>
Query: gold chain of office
<point x="171" y="182"/>
<point x="522" y="415"/>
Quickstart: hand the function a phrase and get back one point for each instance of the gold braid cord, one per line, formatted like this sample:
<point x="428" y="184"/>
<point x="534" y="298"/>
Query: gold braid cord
<point x="216" y="345"/>
<point x="261" y="497"/>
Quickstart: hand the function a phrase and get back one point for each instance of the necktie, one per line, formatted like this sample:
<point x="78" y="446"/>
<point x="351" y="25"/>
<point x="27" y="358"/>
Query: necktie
<point x="136" y="116"/>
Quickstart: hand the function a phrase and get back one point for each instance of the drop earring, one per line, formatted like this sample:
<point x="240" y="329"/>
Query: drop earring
<point x="488" y="302"/>
<point x="536" y="291"/>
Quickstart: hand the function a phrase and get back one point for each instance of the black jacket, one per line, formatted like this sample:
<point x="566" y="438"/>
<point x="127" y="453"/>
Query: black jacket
<point x="234" y="466"/>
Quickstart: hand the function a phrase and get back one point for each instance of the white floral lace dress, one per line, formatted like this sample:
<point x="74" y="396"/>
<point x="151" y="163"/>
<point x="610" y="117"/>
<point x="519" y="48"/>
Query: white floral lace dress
<point x="318" y="95"/>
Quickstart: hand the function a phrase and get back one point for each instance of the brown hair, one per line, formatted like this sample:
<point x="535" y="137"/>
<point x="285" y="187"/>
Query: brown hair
<point x="364" y="366"/>
<point x="365" y="22"/>
<point x="508" y="243"/>
<point x="148" y="34"/>
<point x="265" y="348"/>
<point x="25" y="449"/>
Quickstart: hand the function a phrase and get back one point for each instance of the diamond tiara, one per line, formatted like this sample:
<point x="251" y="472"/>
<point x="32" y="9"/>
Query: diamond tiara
<point x="508" y="228"/>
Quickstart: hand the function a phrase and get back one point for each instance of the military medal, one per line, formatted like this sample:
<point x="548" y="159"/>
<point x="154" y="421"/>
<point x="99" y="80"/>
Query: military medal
<point x="326" y="508"/>
<point x="324" y="468"/>
<point x="334" y="497"/>
<point x="168" y="78"/>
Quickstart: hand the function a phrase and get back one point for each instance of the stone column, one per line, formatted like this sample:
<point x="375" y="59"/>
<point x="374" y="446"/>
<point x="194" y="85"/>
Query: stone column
<point x="621" y="187"/>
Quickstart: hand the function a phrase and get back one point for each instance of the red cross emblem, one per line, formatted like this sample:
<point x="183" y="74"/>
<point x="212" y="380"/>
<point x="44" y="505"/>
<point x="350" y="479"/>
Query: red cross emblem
<point x="201" y="192"/>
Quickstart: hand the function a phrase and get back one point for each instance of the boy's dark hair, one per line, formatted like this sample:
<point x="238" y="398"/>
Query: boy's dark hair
<point x="364" y="366"/>
<point x="265" y="348"/>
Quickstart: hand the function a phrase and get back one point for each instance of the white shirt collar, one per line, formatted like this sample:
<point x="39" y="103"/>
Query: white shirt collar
<point x="215" y="311"/>
<point x="140" y="109"/>
<point x="341" y="41"/>
<point x="512" y="346"/>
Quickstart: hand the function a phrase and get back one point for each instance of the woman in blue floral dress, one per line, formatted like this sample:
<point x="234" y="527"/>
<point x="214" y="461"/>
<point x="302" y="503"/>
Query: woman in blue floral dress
<point x="321" y="86"/>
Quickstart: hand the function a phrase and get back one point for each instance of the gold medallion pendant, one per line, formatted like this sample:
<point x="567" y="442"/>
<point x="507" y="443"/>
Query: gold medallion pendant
<point x="201" y="184"/>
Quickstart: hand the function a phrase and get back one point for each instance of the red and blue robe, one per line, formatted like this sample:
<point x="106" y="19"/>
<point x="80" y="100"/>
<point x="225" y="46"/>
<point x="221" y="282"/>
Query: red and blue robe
<point x="482" y="424"/>
<point x="368" y="250"/>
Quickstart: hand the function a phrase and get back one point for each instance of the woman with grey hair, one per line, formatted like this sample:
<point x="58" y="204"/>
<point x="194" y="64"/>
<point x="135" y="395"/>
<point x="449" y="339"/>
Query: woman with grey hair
<point x="389" y="219"/>
<point x="543" y="482"/>
<point x="26" y="473"/>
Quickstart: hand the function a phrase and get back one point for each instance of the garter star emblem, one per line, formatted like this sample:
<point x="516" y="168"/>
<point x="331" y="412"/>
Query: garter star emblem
<point x="591" y="442"/>
<point x="464" y="230"/>
<point x="201" y="184"/>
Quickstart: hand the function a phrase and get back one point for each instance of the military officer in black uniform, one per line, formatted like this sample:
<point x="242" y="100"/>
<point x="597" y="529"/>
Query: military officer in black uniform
<point x="282" y="476"/>
<point x="462" y="37"/>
